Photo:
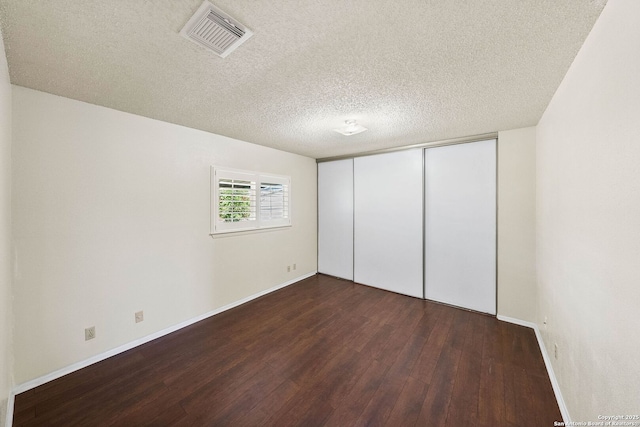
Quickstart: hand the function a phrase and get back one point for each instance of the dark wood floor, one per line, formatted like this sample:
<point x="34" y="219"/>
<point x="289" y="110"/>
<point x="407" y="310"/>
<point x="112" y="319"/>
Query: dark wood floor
<point x="321" y="352"/>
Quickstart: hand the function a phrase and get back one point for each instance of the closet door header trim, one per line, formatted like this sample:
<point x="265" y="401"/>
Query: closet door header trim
<point x="441" y="143"/>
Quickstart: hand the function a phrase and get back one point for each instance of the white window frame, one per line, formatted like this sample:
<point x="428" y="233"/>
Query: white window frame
<point x="221" y="227"/>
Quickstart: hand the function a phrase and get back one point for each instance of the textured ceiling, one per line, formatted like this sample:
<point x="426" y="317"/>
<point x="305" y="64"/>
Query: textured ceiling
<point x="411" y="71"/>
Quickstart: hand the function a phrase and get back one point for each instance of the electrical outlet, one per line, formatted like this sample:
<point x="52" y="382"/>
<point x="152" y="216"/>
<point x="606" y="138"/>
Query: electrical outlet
<point x="90" y="333"/>
<point x="555" y="350"/>
<point x="139" y="316"/>
<point x="288" y="268"/>
<point x="294" y="266"/>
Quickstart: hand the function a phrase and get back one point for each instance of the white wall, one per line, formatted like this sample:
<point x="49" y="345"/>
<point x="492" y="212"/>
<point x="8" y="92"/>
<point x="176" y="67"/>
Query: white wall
<point x="517" y="224"/>
<point x="588" y="220"/>
<point x="5" y="235"/>
<point x="111" y="216"/>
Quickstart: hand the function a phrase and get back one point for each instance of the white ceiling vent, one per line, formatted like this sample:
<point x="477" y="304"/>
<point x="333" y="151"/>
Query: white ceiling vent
<point x="212" y="28"/>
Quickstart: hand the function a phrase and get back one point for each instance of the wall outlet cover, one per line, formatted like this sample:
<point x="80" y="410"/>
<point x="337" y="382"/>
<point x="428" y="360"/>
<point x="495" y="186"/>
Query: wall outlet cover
<point x="90" y="333"/>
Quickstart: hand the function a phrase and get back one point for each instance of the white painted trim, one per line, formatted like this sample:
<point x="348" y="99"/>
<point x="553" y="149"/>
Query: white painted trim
<point x="99" y="357"/>
<point x="9" y="416"/>
<point x="547" y="362"/>
<point x="518" y="322"/>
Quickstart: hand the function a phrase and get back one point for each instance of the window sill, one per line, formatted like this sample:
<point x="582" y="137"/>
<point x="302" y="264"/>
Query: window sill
<point x="232" y="233"/>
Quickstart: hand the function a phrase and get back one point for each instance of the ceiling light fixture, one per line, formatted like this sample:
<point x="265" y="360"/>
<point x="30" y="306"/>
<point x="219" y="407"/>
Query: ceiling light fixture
<point x="351" y="128"/>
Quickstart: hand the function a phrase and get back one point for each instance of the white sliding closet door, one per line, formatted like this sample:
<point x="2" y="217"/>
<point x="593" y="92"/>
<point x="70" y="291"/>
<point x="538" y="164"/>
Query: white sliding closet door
<point x="335" y="218"/>
<point x="460" y="225"/>
<point x="388" y="221"/>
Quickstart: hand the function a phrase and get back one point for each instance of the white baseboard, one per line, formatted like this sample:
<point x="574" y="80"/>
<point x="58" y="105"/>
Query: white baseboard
<point x="97" y="358"/>
<point x="547" y="362"/>
<point x="8" y="422"/>
<point x="517" y="321"/>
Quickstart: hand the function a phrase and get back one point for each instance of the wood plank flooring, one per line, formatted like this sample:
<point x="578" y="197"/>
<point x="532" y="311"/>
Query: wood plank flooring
<point x="322" y="352"/>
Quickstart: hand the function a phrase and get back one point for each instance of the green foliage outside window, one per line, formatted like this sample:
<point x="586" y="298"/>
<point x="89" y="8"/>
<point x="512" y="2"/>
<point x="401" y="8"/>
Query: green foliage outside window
<point x="234" y="205"/>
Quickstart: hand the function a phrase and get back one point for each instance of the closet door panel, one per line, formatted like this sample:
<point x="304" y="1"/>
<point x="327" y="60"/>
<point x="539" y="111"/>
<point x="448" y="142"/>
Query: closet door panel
<point x="335" y="218"/>
<point x="388" y="221"/>
<point x="460" y="225"/>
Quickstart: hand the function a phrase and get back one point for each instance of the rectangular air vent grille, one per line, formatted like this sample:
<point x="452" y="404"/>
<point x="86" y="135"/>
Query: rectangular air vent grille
<point x="212" y="28"/>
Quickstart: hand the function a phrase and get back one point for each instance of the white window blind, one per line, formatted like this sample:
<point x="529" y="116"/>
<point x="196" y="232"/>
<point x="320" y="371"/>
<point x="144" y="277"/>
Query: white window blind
<point x="237" y="200"/>
<point x="245" y="200"/>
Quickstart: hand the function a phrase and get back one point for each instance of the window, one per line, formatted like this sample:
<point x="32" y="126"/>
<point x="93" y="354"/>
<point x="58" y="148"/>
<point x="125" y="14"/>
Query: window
<point x="236" y="200"/>
<point x="274" y="201"/>
<point x="244" y="200"/>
